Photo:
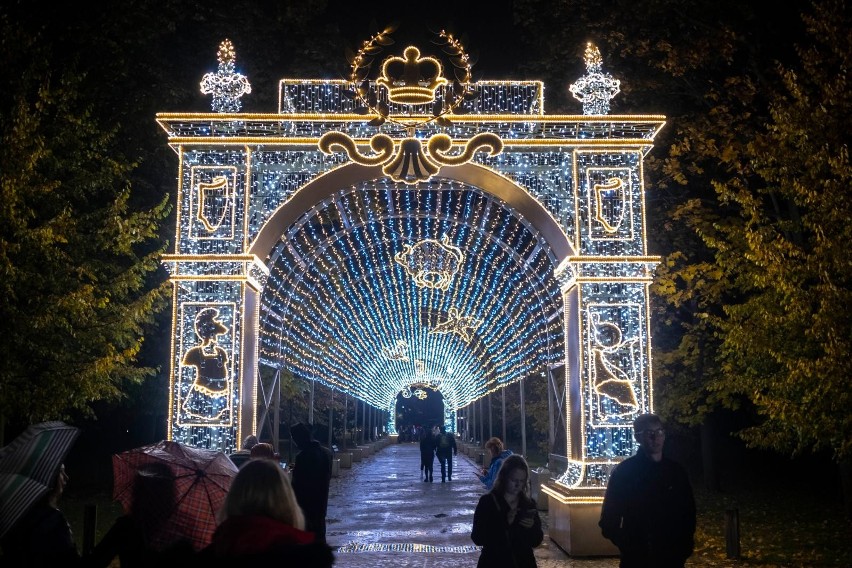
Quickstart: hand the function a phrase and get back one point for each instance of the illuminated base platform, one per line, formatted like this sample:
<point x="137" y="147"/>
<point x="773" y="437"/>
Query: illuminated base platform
<point x="573" y="516"/>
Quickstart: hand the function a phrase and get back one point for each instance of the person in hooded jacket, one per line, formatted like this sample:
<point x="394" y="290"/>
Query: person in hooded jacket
<point x="498" y="454"/>
<point x="263" y="525"/>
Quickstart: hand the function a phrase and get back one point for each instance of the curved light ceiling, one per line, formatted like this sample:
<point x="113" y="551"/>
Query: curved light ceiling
<point x="339" y="307"/>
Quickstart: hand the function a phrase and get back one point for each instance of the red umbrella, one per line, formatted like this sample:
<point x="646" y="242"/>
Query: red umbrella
<point x="174" y="490"/>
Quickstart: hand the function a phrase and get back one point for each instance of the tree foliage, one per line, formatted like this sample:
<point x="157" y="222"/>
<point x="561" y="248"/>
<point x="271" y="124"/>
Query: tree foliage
<point x="745" y="199"/>
<point x="74" y="254"/>
<point x="786" y="342"/>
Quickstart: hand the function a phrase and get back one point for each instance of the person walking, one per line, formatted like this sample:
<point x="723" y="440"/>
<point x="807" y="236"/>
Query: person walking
<point x="263" y="524"/>
<point x="311" y="474"/>
<point x="427" y="453"/>
<point x="498" y="454"/>
<point x="445" y="450"/>
<point x="506" y="523"/>
<point x="649" y="508"/>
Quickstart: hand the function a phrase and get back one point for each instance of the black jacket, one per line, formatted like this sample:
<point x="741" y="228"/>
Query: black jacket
<point x="311" y="479"/>
<point x="649" y="512"/>
<point x="504" y="545"/>
<point x="450" y="448"/>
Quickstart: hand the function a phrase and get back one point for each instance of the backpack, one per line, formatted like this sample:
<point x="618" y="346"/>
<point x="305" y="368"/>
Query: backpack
<point x="444" y="442"/>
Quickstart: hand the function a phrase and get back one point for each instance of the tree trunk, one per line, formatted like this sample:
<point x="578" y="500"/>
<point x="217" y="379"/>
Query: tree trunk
<point x="709" y="461"/>
<point x="845" y="470"/>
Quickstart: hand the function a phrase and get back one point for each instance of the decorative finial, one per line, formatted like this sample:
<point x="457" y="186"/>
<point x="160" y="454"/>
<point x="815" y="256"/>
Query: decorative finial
<point x="226" y="85"/>
<point x="595" y="89"/>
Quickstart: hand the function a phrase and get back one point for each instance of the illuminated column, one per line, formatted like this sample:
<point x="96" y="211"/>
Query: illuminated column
<point x="212" y="385"/>
<point x="606" y="290"/>
<point x="607" y="340"/>
<point x="215" y="301"/>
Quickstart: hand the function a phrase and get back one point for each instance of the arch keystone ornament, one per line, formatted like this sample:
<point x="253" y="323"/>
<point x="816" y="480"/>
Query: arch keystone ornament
<point x="412" y="232"/>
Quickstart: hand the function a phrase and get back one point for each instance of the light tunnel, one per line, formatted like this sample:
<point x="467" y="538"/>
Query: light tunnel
<point x="379" y="287"/>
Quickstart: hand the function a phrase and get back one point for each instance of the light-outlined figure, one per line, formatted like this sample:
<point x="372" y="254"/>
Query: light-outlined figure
<point x="209" y="396"/>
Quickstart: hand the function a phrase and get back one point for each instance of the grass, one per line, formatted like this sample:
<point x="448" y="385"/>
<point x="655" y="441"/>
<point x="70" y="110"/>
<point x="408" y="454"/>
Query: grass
<point x="780" y="525"/>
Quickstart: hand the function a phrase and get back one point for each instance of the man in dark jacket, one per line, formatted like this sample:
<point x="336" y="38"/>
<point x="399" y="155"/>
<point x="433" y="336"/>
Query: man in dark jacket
<point x="445" y="450"/>
<point x="311" y="476"/>
<point x="649" y="509"/>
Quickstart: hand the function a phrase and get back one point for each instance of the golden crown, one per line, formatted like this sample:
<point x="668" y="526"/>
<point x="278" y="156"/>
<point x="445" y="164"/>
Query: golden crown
<point x="411" y="80"/>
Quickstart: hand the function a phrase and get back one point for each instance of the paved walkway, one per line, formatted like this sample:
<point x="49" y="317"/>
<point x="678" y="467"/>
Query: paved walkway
<point x="381" y="515"/>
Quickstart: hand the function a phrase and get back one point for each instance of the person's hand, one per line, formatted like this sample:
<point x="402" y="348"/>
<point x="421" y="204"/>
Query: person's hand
<point x="527" y="520"/>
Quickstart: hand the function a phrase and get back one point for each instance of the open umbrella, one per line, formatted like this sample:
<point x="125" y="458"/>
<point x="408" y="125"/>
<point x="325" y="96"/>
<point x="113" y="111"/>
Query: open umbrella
<point x="182" y="488"/>
<point x="28" y="467"/>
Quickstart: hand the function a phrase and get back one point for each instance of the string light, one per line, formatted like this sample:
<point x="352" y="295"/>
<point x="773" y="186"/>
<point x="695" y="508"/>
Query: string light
<point x="417" y="283"/>
<point x="226" y="85"/>
<point x="596" y="88"/>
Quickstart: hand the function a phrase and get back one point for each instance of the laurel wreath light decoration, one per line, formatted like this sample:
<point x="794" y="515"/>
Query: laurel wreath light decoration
<point x="408" y="87"/>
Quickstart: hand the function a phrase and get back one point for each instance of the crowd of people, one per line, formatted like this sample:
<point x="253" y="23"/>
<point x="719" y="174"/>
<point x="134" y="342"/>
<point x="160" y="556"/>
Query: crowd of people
<point x="278" y="515"/>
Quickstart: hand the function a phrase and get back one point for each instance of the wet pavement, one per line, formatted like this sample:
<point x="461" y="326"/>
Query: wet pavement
<point x="381" y="514"/>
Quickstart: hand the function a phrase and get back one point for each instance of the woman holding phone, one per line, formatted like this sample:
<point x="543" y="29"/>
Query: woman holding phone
<point x="506" y="523"/>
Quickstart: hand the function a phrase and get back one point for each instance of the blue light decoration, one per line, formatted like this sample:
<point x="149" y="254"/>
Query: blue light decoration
<point x="451" y="238"/>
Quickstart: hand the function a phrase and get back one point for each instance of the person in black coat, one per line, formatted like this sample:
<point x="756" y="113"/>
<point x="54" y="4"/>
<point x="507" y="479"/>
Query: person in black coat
<point x="42" y="538"/>
<point x="649" y="509"/>
<point x="427" y="453"/>
<point x="445" y="449"/>
<point x="506" y="523"/>
<point x="311" y="477"/>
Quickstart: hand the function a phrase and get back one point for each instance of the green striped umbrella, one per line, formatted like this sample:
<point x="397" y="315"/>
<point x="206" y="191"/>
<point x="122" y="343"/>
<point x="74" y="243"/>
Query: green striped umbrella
<point x="28" y="467"/>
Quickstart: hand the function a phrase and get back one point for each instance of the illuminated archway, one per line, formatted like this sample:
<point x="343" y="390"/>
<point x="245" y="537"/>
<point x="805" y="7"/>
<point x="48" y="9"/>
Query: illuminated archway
<point x="410" y="246"/>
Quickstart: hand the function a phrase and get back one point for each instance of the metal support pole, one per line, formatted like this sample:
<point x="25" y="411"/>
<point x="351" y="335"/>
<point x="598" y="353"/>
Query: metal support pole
<point x="523" y="422"/>
<point x="276" y="414"/>
<point x="330" y="418"/>
<point x="481" y="422"/>
<point x="490" y="418"/>
<point x="504" y="417"/>
<point x="311" y="405"/>
<point x="473" y="420"/>
<point x="551" y="432"/>
<point x="345" y="418"/>
<point x="355" y="423"/>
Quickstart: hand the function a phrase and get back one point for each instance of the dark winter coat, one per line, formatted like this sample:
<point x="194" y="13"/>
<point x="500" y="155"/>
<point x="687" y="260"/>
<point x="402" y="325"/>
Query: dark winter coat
<point x="446" y="445"/>
<point x="311" y="479"/>
<point x="649" y="513"/>
<point x="41" y="538"/>
<point x="505" y="545"/>
<point x="427" y="450"/>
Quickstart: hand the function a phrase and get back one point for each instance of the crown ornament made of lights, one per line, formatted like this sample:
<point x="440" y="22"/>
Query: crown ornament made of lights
<point x="226" y="85"/>
<point x="595" y="89"/>
<point x="410" y="80"/>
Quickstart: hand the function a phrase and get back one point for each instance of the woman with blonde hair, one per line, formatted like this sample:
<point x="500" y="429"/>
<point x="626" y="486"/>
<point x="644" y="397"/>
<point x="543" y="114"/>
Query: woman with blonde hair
<point x="506" y="523"/>
<point x="261" y="520"/>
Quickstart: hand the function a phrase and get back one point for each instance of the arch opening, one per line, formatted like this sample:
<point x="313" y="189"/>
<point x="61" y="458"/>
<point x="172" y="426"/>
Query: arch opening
<point x="379" y="286"/>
